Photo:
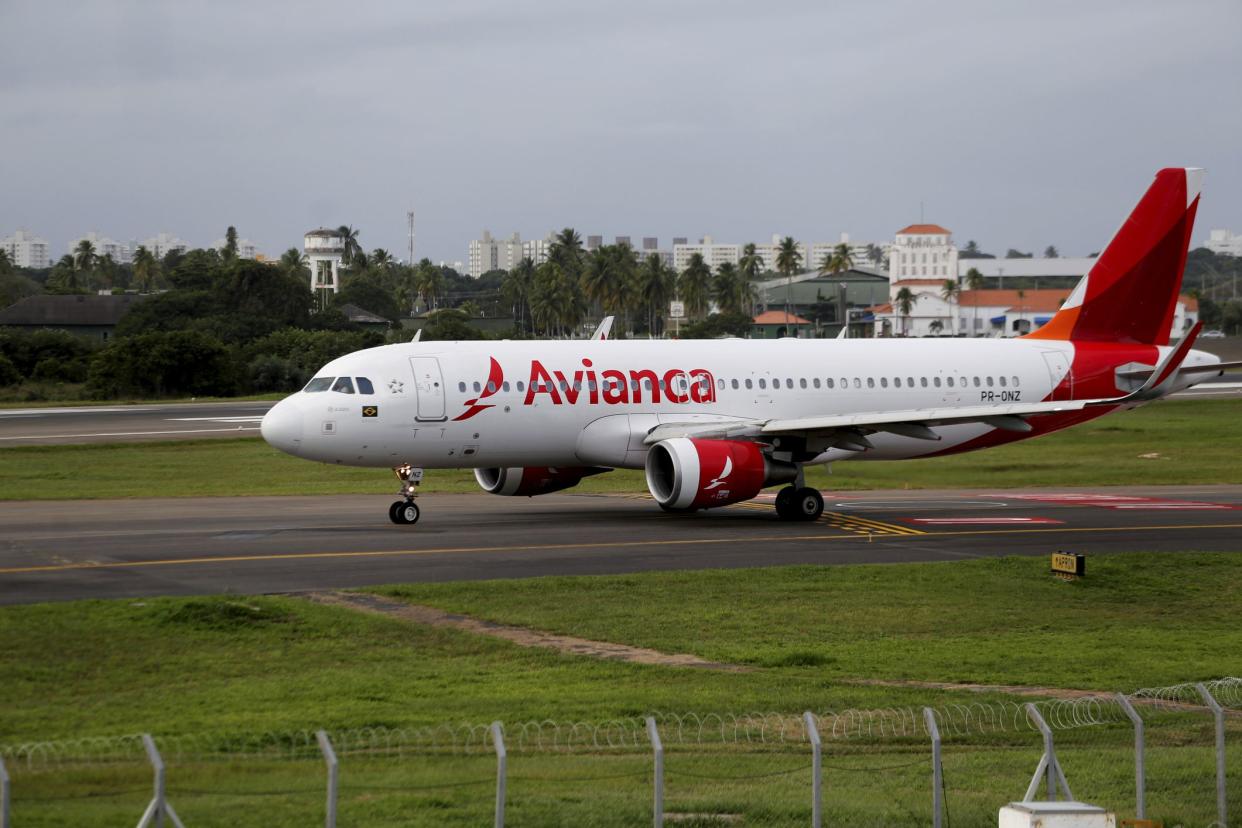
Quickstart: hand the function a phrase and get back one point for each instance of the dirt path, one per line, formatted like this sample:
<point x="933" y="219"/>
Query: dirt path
<point x="430" y="616"/>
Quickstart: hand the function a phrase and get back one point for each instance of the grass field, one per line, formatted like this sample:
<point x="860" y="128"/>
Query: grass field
<point x="1192" y="441"/>
<point x="244" y="666"/>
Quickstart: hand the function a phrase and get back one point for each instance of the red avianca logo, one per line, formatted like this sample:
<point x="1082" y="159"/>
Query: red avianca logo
<point x="607" y="387"/>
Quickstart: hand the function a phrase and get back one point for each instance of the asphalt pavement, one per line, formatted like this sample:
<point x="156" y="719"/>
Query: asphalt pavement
<point x="129" y="423"/>
<point x="58" y="550"/>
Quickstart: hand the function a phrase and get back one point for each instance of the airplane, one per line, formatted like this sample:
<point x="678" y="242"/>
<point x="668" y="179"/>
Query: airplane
<point x="715" y="422"/>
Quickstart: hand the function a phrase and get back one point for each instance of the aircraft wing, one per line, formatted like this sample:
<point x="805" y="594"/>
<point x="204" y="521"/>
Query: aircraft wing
<point x="850" y="430"/>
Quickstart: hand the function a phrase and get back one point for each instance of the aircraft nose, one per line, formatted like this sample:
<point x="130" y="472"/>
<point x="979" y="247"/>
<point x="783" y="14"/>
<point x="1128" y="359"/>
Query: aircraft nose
<point x="282" y="426"/>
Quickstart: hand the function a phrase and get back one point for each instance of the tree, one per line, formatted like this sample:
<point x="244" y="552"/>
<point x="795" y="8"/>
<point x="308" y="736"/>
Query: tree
<point x="1050" y="252"/>
<point x="450" y="324"/>
<point x="382" y="260"/>
<point x="875" y="255"/>
<point x="428" y="282"/>
<point x="656" y="283"/>
<point x="515" y="288"/>
<point x="725" y="287"/>
<point x="599" y="277"/>
<point x="788" y="262"/>
<point x="951" y="291"/>
<point x="1018" y="254"/>
<point x="84" y="256"/>
<point x="229" y="253"/>
<point x="557" y="304"/>
<point x="106" y="271"/>
<point x="349" y="238"/>
<point x="751" y="264"/>
<point x="6" y="265"/>
<point x="196" y="270"/>
<point x="295" y="263"/>
<point x="65" y="276"/>
<point x="146" y="269"/>
<point x="719" y="325"/>
<point x="694" y="286"/>
<point x="904" y="302"/>
<point x="936" y="326"/>
<point x="836" y="261"/>
<point x="973" y="283"/>
<point x="172" y="363"/>
<point x="367" y="291"/>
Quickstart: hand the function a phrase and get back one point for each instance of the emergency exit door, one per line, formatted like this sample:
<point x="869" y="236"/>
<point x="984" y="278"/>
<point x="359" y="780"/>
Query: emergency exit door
<point x="429" y="385"/>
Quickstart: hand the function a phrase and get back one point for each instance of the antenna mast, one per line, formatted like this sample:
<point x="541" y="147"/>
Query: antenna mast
<point x="410" y="219"/>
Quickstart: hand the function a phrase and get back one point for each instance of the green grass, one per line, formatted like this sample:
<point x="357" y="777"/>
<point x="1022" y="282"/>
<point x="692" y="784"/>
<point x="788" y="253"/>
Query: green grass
<point x="1193" y="442"/>
<point x="244" y="666"/>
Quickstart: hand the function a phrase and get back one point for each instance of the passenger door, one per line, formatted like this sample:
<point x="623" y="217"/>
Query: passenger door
<point x="429" y="385"/>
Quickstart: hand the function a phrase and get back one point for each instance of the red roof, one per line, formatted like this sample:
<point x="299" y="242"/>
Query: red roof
<point x="1032" y="301"/>
<point x="923" y="230"/>
<point x="778" y="317"/>
<point x="1191" y="303"/>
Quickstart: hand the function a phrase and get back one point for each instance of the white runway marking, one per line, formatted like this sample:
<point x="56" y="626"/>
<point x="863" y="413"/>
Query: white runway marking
<point x="35" y="412"/>
<point x="216" y="419"/>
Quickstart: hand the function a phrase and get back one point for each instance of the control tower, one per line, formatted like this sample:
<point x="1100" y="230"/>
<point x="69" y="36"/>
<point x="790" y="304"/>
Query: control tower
<point x="325" y="251"/>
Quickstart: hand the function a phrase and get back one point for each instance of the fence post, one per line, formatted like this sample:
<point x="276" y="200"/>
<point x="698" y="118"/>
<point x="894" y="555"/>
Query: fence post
<point x="502" y="756"/>
<point x="1048" y="764"/>
<point x="817" y="769"/>
<point x="329" y="757"/>
<point x="159" y="807"/>
<point x="4" y="795"/>
<point x="657" y="748"/>
<point x="1218" y="713"/>
<point x="929" y="716"/>
<point x="1140" y="762"/>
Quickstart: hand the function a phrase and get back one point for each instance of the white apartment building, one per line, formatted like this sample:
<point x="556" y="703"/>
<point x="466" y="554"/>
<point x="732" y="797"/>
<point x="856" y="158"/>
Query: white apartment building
<point x="1224" y="242"/>
<point x="488" y="253"/>
<point x="923" y="251"/>
<point x="246" y="249"/>
<point x="1031" y="268"/>
<point x="537" y="249"/>
<point x="104" y="246"/>
<point x="714" y="254"/>
<point x="163" y="244"/>
<point x="26" y="250"/>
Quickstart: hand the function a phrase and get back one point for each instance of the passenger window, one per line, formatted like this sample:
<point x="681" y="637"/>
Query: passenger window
<point x="477" y="388"/>
<point x="720" y="384"/>
<point x="802" y="382"/>
<point x="896" y="382"/>
<point x="871" y="382"/>
<point x="857" y="382"/>
<point x="1015" y="382"/>
<point x="505" y="386"/>
<point x="491" y="387"/>
<point x="788" y="383"/>
<point x="976" y="382"/>
<point x="344" y="385"/>
<point x="461" y="386"/>
<point x="936" y="381"/>
<point x="1002" y="382"/>
<point x="749" y="384"/>
<point x="733" y="383"/>
<point x="828" y="382"/>
<point x="884" y="382"/>
<point x="989" y="382"/>
<point x="923" y="381"/>
<point x="948" y="381"/>
<point x="816" y="382"/>
<point x="318" y="384"/>
<point x="763" y="383"/>
<point x="364" y="385"/>
<point x="910" y="382"/>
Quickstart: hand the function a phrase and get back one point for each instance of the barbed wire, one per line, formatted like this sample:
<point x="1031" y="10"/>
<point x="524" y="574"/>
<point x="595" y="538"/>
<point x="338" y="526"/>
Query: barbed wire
<point x="687" y="729"/>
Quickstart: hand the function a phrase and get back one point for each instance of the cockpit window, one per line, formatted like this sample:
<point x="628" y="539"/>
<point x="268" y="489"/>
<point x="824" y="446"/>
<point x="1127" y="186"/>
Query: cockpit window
<point x="364" y="385"/>
<point x="344" y="385"/>
<point x="318" y="384"/>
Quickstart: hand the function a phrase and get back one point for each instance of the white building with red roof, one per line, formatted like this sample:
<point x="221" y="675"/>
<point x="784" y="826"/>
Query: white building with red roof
<point x="923" y="251"/>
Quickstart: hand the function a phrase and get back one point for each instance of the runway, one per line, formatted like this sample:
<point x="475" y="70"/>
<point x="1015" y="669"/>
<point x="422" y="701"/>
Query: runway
<point x="54" y="551"/>
<point x="188" y="421"/>
<point x="129" y="423"/>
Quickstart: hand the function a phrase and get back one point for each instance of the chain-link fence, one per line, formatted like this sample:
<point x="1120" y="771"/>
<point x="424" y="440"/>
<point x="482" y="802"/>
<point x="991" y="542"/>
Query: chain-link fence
<point x="1172" y="754"/>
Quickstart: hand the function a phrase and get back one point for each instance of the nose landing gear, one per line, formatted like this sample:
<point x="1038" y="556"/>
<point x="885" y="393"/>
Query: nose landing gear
<point x="405" y="511"/>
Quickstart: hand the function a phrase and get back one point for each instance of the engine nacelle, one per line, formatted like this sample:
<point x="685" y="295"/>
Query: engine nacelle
<point x="684" y="473"/>
<point x="532" y="480"/>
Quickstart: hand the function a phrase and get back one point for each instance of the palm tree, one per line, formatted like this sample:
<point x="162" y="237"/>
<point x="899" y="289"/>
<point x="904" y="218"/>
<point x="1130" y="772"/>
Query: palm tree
<point x="556" y="301"/>
<point x="657" y="283"/>
<point x="974" y="283"/>
<point x="84" y="255"/>
<point x="695" y="284"/>
<point x="836" y="261"/>
<point x="1021" y="308"/>
<point x="144" y="269"/>
<point x="292" y="261"/>
<point x="64" y="277"/>
<point x="751" y="264"/>
<point x="6" y="264"/>
<point x="788" y="262"/>
<point x="875" y="254"/>
<point x="515" y="288"/>
<point x="105" y="271"/>
<point x="725" y="288"/>
<point x="627" y="294"/>
<point x="904" y="302"/>
<point x="599" y="278"/>
<point x="429" y="282"/>
<point x="349" y="237"/>
<point x="566" y="251"/>
<point x="951" y="292"/>
<point x="381" y="259"/>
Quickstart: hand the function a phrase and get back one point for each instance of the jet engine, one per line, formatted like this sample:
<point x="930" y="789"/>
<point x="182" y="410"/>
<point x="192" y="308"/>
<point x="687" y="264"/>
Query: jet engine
<point x="533" y="480"/>
<point x="685" y="474"/>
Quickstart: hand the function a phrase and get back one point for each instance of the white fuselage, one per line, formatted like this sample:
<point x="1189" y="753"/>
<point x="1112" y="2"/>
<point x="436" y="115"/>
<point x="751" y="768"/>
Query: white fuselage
<point x="593" y="402"/>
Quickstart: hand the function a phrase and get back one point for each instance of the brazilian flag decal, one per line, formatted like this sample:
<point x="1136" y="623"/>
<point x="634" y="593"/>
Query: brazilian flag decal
<point x="370" y="411"/>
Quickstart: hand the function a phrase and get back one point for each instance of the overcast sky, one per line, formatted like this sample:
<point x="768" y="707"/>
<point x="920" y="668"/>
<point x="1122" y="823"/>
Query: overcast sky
<point x="1016" y="124"/>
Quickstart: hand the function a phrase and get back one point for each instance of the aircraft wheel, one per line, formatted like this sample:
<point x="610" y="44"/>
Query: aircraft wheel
<point x="404" y="512"/>
<point x="808" y="504"/>
<point x="786" y="503"/>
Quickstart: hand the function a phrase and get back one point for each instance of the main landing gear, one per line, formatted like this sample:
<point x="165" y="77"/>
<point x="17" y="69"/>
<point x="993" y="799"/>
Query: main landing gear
<point x="405" y="511"/>
<point x="799" y="501"/>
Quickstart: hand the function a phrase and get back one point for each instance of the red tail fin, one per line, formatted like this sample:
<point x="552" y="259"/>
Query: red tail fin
<point x="1130" y="294"/>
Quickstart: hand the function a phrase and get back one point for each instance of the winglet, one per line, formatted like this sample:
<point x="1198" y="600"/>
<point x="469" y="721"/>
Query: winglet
<point x="604" y="327"/>
<point x="417" y="335"/>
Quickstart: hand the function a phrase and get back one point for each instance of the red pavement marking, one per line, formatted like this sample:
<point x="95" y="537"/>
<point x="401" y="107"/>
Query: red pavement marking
<point x="1106" y="501"/>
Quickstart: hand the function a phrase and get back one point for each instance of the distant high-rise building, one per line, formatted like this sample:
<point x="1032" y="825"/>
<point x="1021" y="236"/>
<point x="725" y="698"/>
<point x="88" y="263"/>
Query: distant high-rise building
<point x="594" y="242"/>
<point x="1224" y="242"/>
<point x="104" y="246"/>
<point x="679" y="240"/>
<point x="537" y="249"/>
<point x="625" y="240"/>
<point x="163" y="244"/>
<point x="26" y="250"/>
<point x="488" y="254"/>
<point x="923" y="251"/>
<point x="651" y="243"/>
<point x="713" y="254"/>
